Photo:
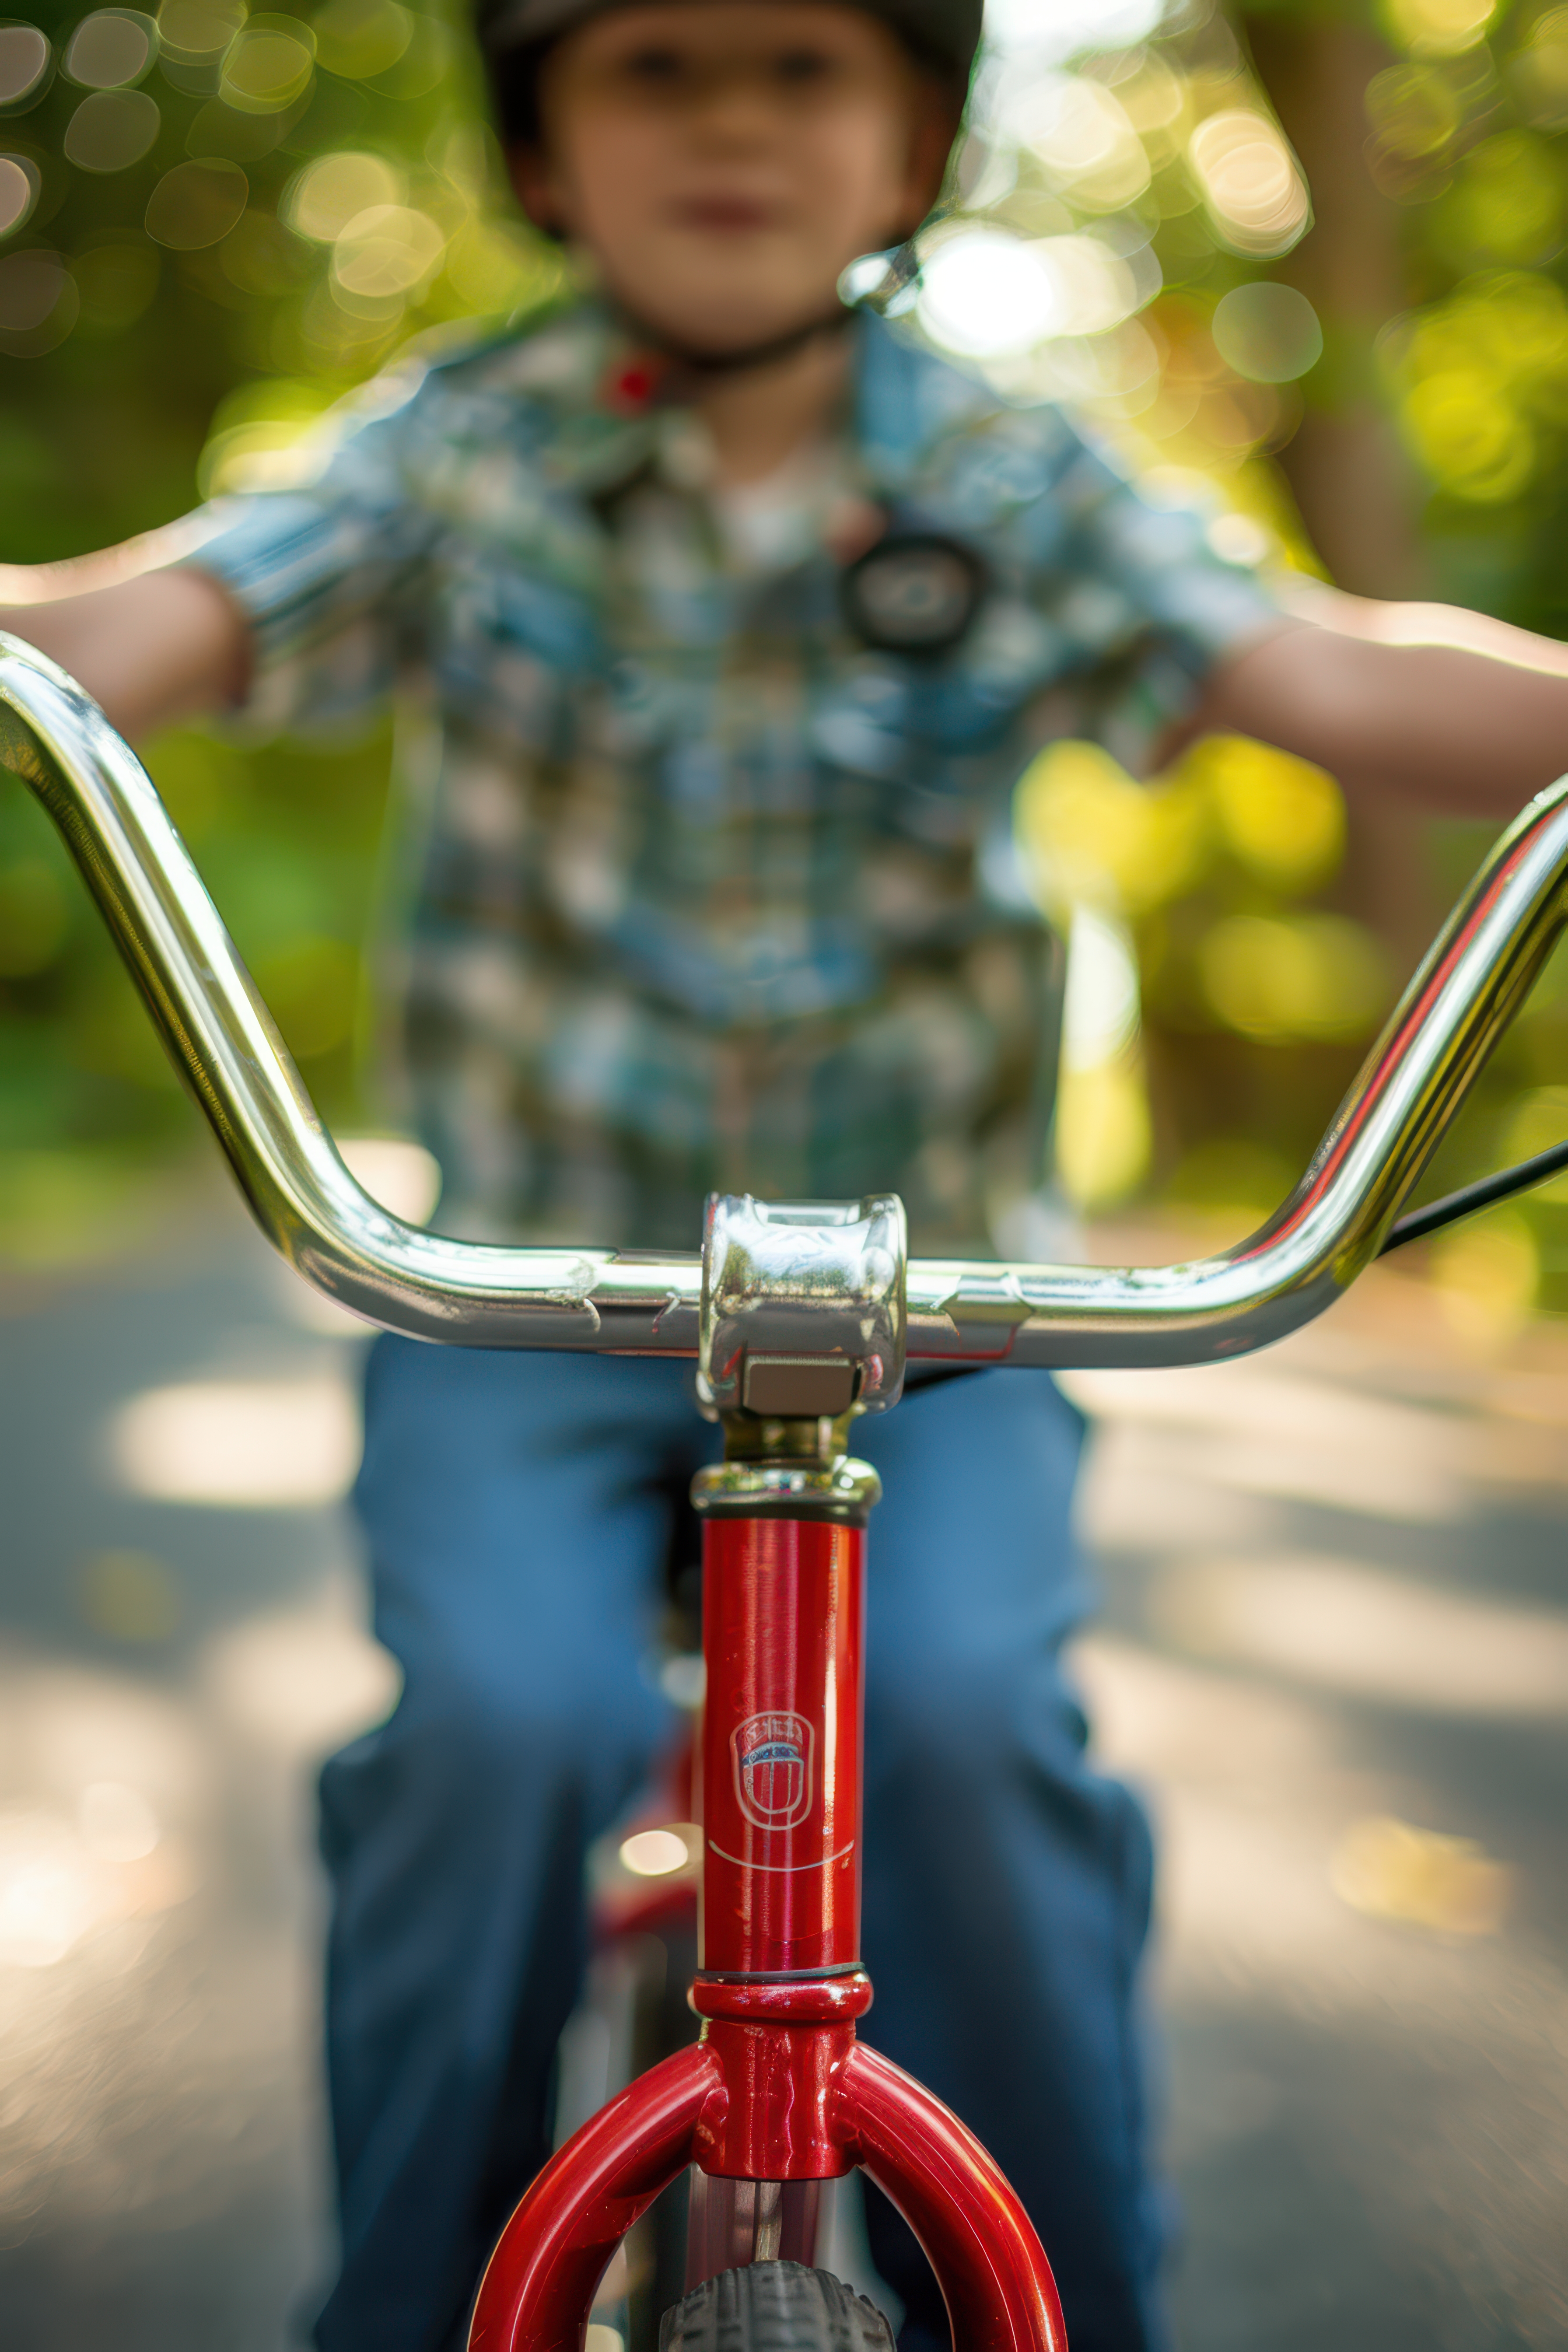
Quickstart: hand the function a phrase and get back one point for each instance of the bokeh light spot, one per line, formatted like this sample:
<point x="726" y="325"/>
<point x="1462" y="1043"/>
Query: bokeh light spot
<point x="267" y="66"/>
<point x="1390" y="1870"/>
<point x="259" y="440"/>
<point x="329" y="192"/>
<point x="423" y="65"/>
<point x="383" y="253"/>
<point x="50" y="1898"/>
<point x="867" y="274"/>
<point x="1467" y="434"/>
<point x="1507" y="202"/>
<point x="1089" y="834"/>
<point x="1412" y="110"/>
<point x="25" y="56"/>
<point x="1100" y="1007"/>
<point x="1104" y="1136"/>
<point x="239" y="1444"/>
<point x="1051" y="29"/>
<point x="1539" y="73"/>
<point x="303" y="1681"/>
<point x="110" y="48"/>
<point x="1093" y="287"/>
<point x="356" y="38"/>
<point x="192" y="33"/>
<point x="1268" y="332"/>
<point x="1255" y="197"/>
<point x="196" y="203"/>
<point x="1302" y="978"/>
<point x="112" y="130"/>
<point x="1154" y="100"/>
<point x="1081" y="135"/>
<point x="1437" y="28"/>
<point x="984" y="293"/>
<point x="1239" y="539"/>
<point x="658" y="1853"/>
<point x="1281" y="817"/>
<point x="18" y="192"/>
<point x="402" y="1176"/>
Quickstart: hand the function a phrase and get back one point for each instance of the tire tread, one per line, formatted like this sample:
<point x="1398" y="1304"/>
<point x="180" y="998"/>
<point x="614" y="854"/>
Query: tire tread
<point x="775" y="2307"/>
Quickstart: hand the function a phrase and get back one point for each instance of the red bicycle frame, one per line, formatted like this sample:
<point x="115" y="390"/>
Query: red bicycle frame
<point x="797" y="1315"/>
<point x="779" y="2093"/>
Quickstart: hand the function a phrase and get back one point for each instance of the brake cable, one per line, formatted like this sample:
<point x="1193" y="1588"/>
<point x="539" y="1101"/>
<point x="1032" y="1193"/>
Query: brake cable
<point x="1419" y="1223"/>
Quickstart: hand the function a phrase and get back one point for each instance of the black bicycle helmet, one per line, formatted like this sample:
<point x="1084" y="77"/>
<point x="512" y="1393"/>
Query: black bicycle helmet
<point x="513" y="36"/>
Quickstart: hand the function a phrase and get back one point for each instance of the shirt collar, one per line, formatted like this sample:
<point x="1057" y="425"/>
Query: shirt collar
<point x="611" y="424"/>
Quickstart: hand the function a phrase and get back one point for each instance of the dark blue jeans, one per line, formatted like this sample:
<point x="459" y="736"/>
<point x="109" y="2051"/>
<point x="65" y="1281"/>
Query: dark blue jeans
<point x="517" y="1509"/>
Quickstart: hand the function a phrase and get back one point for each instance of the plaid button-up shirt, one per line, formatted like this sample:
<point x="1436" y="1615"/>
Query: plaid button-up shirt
<point x="703" y="892"/>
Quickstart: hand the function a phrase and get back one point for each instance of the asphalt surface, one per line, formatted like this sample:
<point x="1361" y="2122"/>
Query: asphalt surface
<point x="1334" y="1653"/>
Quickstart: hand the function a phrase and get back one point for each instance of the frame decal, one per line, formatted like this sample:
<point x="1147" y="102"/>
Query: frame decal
<point x="774" y="1758"/>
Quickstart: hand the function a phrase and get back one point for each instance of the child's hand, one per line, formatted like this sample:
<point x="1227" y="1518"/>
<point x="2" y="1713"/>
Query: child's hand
<point x="151" y="648"/>
<point x="1423" y="703"/>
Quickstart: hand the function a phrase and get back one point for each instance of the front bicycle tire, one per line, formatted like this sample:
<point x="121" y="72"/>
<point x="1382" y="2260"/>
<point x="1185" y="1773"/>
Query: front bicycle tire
<point x="775" y="2307"/>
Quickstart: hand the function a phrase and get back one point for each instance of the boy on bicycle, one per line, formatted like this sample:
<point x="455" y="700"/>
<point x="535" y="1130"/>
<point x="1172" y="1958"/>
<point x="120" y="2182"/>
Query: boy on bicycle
<point x="737" y="616"/>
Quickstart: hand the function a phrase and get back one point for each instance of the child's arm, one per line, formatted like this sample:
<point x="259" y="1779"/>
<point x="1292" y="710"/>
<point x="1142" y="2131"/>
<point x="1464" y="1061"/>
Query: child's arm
<point x="1423" y="703"/>
<point x="151" y="646"/>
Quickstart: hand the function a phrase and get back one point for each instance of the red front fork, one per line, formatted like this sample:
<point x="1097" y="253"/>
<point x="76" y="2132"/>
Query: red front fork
<point x="778" y="2089"/>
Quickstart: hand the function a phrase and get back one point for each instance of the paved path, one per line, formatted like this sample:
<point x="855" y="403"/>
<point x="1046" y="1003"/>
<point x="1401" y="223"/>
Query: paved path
<point x="160" y="2173"/>
<point x="1335" y="1651"/>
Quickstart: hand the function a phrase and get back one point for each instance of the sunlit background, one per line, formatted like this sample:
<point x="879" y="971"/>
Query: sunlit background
<point x="1303" y="265"/>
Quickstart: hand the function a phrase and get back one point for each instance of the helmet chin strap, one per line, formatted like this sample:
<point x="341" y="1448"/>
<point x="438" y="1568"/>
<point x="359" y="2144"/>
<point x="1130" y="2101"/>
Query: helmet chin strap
<point x="710" y="364"/>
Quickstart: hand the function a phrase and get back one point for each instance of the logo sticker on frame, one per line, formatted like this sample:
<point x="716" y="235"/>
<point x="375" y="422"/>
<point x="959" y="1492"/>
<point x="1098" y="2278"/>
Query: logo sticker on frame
<point x="773" y="1756"/>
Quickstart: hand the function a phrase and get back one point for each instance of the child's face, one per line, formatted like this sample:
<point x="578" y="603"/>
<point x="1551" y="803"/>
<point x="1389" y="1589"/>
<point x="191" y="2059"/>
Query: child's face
<point x="723" y="163"/>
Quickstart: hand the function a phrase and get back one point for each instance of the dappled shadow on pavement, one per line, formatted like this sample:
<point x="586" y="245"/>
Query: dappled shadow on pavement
<point x="179" y="1644"/>
<point x="1335" y="1654"/>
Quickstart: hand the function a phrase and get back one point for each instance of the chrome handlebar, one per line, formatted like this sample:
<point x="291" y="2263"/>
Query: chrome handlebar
<point x="226" y="1045"/>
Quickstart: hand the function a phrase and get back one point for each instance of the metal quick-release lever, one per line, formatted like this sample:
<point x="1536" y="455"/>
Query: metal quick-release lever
<point x="803" y="1309"/>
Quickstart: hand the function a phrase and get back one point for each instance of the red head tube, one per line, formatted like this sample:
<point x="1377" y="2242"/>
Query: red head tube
<point x="783" y="1624"/>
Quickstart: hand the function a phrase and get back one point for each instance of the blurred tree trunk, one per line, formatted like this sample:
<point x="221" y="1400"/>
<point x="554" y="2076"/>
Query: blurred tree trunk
<point x="1352" y="482"/>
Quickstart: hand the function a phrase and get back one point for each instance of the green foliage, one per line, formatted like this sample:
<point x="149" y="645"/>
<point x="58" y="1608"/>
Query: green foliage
<point x="213" y="223"/>
<point x="275" y="216"/>
<point x="287" y="843"/>
<point x="210" y="227"/>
